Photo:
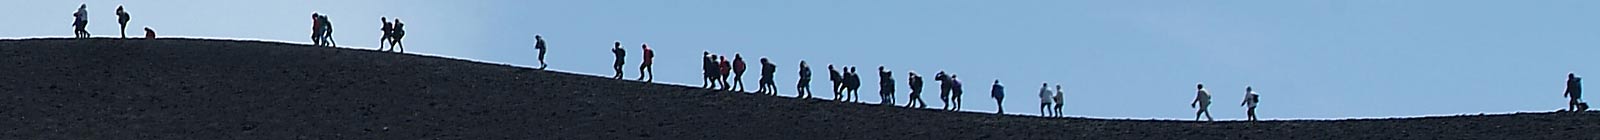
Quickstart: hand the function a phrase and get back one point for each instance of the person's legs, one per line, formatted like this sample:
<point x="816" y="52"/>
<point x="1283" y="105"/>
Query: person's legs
<point x="542" y="65"/>
<point x="1058" y="110"/>
<point x="124" y="30"/>
<point x="1252" y="113"/>
<point x="738" y="81"/>
<point x="1572" y="104"/>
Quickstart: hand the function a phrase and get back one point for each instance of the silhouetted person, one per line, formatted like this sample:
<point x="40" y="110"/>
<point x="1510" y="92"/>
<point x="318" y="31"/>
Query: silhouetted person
<point x="316" y="29"/>
<point x="538" y="44"/>
<point x="803" y="87"/>
<point x="945" y="84"/>
<point x="388" y="32"/>
<point x="724" y="67"/>
<point x="852" y="83"/>
<point x="617" y="50"/>
<point x="768" y="86"/>
<point x="1250" y="100"/>
<point x="708" y="66"/>
<point x="647" y="73"/>
<point x="738" y="72"/>
<point x="838" y="83"/>
<point x="915" y="81"/>
<point x="149" y="33"/>
<point x="885" y="86"/>
<point x="955" y="92"/>
<point x="327" y="31"/>
<point x="999" y="94"/>
<point x="1202" y="98"/>
<point x="1058" y="100"/>
<point x="1574" y="91"/>
<point x="122" y="19"/>
<point x="1044" y="100"/>
<point x="398" y="35"/>
<point x="80" y="20"/>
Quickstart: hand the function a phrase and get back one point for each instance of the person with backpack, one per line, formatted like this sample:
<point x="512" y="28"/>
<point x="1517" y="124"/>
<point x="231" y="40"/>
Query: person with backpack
<point x="1574" y="92"/>
<point x="885" y="86"/>
<point x="738" y="72"/>
<point x="1203" y="99"/>
<point x="915" y="81"/>
<point x="768" y="86"/>
<point x="616" y="50"/>
<point x="646" y="72"/>
<point x="122" y="20"/>
<point x="838" y="83"/>
<point x="80" y="21"/>
<point x="999" y="94"/>
<point x="803" y="87"/>
<point x="1250" y="100"/>
<point x="538" y="44"/>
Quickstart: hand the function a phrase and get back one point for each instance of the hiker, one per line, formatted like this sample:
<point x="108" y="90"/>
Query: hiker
<point x="399" y="34"/>
<point x="316" y="29"/>
<point x="708" y="65"/>
<point x="388" y="30"/>
<point x="149" y="33"/>
<point x="80" y="20"/>
<point x="852" y="83"/>
<point x="1574" y="92"/>
<point x="803" y="87"/>
<point x="723" y="68"/>
<point x="538" y="44"/>
<point x="327" y="31"/>
<point x="1044" y="99"/>
<point x="955" y="92"/>
<point x="645" y="71"/>
<point x="1202" y="98"/>
<point x="915" y="81"/>
<point x="738" y="72"/>
<point x="1250" y="100"/>
<point x="944" y="88"/>
<point x="999" y="94"/>
<point x="122" y="19"/>
<point x="838" y="82"/>
<point x="766" y="83"/>
<point x="617" y="50"/>
<point x="885" y="86"/>
<point x="1058" y="101"/>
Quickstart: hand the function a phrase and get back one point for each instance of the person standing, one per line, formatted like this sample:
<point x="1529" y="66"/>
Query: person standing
<point x="803" y="87"/>
<point x="617" y="50"/>
<point x="122" y="19"/>
<point x="852" y="83"/>
<point x="538" y="44"/>
<point x="885" y="86"/>
<point x="915" y="81"/>
<point x="1203" y="99"/>
<point x="738" y="72"/>
<point x="768" y="86"/>
<point x="838" y="83"/>
<point x="955" y="93"/>
<point x="708" y="65"/>
<point x="724" y="68"/>
<point x="999" y="94"/>
<point x="398" y="35"/>
<point x="1044" y="99"/>
<point x="1574" y="91"/>
<point x="945" y="84"/>
<point x="388" y="30"/>
<point x="1058" y="100"/>
<point x="1250" y="100"/>
<point x="646" y="72"/>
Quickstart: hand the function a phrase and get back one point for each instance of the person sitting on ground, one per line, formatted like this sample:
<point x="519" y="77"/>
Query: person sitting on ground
<point x="617" y="50"/>
<point x="724" y="68"/>
<point x="838" y="83"/>
<point x="80" y="21"/>
<point x="803" y="87"/>
<point x="388" y="30"/>
<point x="852" y="84"/>
<point x="767" y="69"/>
<point x="1250" y="100"/>
<point x="647" y="73"/>
<point x="1203" y="99"/>
<point x="885" y="86"/>
<point x="122" y="19"/>
<point x="149" y="33"/>
<point x="1574" y="92"/>
<point x="955" y="92"/>
<point x="999" y="94"/>
<point x="915" y="81"/>
<point x="738" y="72"/>
<point x="1058" y="100"/>
<point x="1044" y="99"/>
<point x="398" y="35"/>
<point x="538" y="44"/>
<point x="944" y="88"/>
<point x="708" y="63"/>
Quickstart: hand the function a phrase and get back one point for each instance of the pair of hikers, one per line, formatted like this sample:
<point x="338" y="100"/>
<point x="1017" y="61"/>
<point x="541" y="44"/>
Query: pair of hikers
<point x="1202" y="101"/>
<point x="393" y="32"/>
<point x="79" y="21"/>
<point x="949" y="90"/>
<point x="766" y="85"/>
<point x="885" y="86"/>
<point x="321" y="30"/>
<point x="847" y="84"/>
<point x="915" y="82"/>
<point x="1046" y="99"/>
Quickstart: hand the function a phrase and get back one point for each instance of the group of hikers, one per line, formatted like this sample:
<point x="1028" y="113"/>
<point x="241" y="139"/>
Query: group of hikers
<point x="717" y="70"/>
<point x="393" y="33"/>
<point x="81" y="21"/>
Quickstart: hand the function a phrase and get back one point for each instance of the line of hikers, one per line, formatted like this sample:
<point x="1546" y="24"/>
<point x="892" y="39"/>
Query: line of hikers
<point x="80" y="22"/>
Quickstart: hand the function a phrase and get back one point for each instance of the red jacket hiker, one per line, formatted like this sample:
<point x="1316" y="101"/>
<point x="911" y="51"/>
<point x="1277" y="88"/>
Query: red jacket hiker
<point x="738" y="64"/>
<point x="724" y="65"/>
<point x="649" y="55"/>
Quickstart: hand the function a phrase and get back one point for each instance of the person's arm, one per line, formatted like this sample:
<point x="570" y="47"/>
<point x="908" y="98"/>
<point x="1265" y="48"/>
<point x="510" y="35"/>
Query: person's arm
<point x="1196" y="101"/>
<point x="1567" y="92"/>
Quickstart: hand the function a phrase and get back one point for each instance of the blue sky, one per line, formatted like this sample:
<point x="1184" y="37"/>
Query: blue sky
<point x="1116" y="59"/>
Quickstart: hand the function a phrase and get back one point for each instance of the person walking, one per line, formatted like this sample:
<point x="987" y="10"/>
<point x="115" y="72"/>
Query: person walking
<point x="885" y="86"/>
<point x="708" y="65"/>
<point x="388" y="32"/>
<point x="538" y="44"/>
<point x="1058" y="100"/>
<point x="945" y="86"/>
<point x="646" y="72"/>
<point x="838" y="83"/>
<point x="768" y="86"/>
<point x="80" y="21"/>
<point x="955" y="92"/>
<point x="1574" y="92"/>
<point x="738" y="72"/>
<point x="915" y="81"/>
<point x="1044" y="99"/>
<point x="724" y="68"/>
<point x="1250" y="100"/>
<point x="617" y="50"/>
<point x="803" y="87"/>
<point x="999" y="94"/>
<point x="1203" y="99"/>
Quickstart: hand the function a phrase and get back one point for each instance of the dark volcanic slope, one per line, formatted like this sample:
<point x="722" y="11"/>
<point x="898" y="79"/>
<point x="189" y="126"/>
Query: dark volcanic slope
<point x="219" y="89"/>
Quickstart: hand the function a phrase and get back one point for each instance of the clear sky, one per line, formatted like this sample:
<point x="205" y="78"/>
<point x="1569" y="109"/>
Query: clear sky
<point x="1116" y="59"/>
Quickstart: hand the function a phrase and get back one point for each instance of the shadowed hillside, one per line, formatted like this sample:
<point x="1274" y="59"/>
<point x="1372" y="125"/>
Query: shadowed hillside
<point x="222" y="89"/>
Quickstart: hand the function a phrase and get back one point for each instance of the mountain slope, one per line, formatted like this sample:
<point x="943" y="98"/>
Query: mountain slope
<point x="228" y="89"/>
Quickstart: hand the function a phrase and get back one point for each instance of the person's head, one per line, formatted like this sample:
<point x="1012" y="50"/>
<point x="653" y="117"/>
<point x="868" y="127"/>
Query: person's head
<point x="386" y="19"/>
<point x="1248" y="89"/>
<point x="83" y="5"/>
<point x="537" y="36"/>
<point x="880" y="67"/>
<point x="763" y="59"/>
<point x="1199" y="86"/>
<point x="1045" y="84"/>
<point x="617" y="44"/>
<point x="119" y="8"/>
<point x="911" y="73"/>
<point x="997" y="81"/>
<point x="1058" y="86"/>
<point x="644" y="45"/>
<point x="830" y="66"/>
<point x="802" y="62"/>
<point x="736" y="55"/>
